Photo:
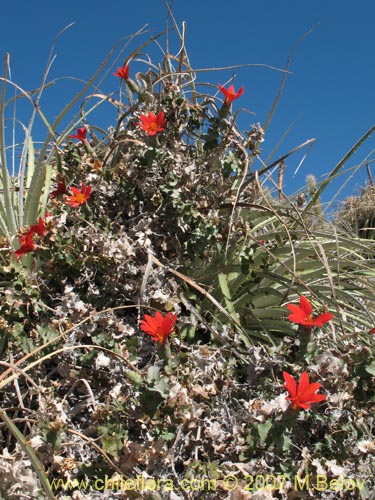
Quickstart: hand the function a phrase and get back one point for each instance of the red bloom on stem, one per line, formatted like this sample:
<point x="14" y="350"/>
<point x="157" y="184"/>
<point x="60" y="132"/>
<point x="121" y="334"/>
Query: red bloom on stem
<point x="79" y="197"/>
<point x="39" y="228"/>
<point x="230" y="95"/>
<point x="159" y="327"/>
<point x="80" y="135"/>
<point x="303" y="395"/>
<point x="60" y="189"/>
<point x="302" y="314"/>
<point x="123" y="72"/>
<point x="152" y="123"/>
<point x="372" y="330"/>
<point x="27" y="244"/>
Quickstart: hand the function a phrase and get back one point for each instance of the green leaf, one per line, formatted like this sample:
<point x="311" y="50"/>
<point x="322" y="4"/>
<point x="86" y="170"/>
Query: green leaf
<point x="168" y="436"/>
<point x="285" y="442"/>
<point x="53" y="438"/>
<point x="263" y="430"/>
<point x="153" y="374"/>
<point x="163" y="386"/>
<point x="112" y="444"/>
<point x="371" y="368"/>
<point x="150" y="401"/>
<point x="134" y="377"/>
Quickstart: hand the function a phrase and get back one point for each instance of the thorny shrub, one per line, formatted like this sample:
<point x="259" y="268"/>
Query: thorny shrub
<point x="162" y="213"/>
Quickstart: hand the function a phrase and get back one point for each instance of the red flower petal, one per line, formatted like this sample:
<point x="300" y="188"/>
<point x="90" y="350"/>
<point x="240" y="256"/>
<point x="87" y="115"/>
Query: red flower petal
<point x="39" y="228"/>
<point x="123" y="72"/>
<point x="305" y="305"/>
<point x="61" y="189"/>
<point x="79" y="197"/>
<point x="27" y="245"/>
<point x="303" y="382"/>
<point x="80" y="135"/>
<point x="322" y="319"/>
<point x="229" y="94"/>
<point x="305" y="393"/>
<point x="152" y="124"/>
<point x="302" y="314"/>
<point x="290" y="384"/>
<point x="159" y="327"/>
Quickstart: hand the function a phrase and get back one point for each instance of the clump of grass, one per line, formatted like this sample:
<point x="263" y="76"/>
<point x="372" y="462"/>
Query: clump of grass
<point x="356" y="214"/>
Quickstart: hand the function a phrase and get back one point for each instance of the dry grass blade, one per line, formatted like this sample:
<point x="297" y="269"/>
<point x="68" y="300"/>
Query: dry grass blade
<point x="339" y="166"/>
<point x="251" y="176"/>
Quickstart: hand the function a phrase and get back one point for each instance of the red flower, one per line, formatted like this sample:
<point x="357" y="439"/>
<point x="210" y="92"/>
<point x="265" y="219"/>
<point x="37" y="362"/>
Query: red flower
<point x="303" y="395"/>
<point x="80" y="135"/>
<point x="60" y="189"/>
<point x="372" y="330"/>
<point x="152" y="123"/>
<point x="229" y="94"/>
<point x="39" y="228"/>
<point x="159" y="327"/>
<point x="302" y="314"/>
<point x="123" y="72"/>
<point x="27" y="245"/>
<point x="79" y="197"/>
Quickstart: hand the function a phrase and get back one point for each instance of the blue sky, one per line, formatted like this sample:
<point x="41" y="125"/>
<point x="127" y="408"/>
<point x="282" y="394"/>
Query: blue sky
<point x="330" y="91"/>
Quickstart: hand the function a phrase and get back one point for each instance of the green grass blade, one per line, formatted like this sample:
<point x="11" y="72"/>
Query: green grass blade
<point x="227" y="297"/>
<point x="30" y="453"/>
<point x="7" y="206"/>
